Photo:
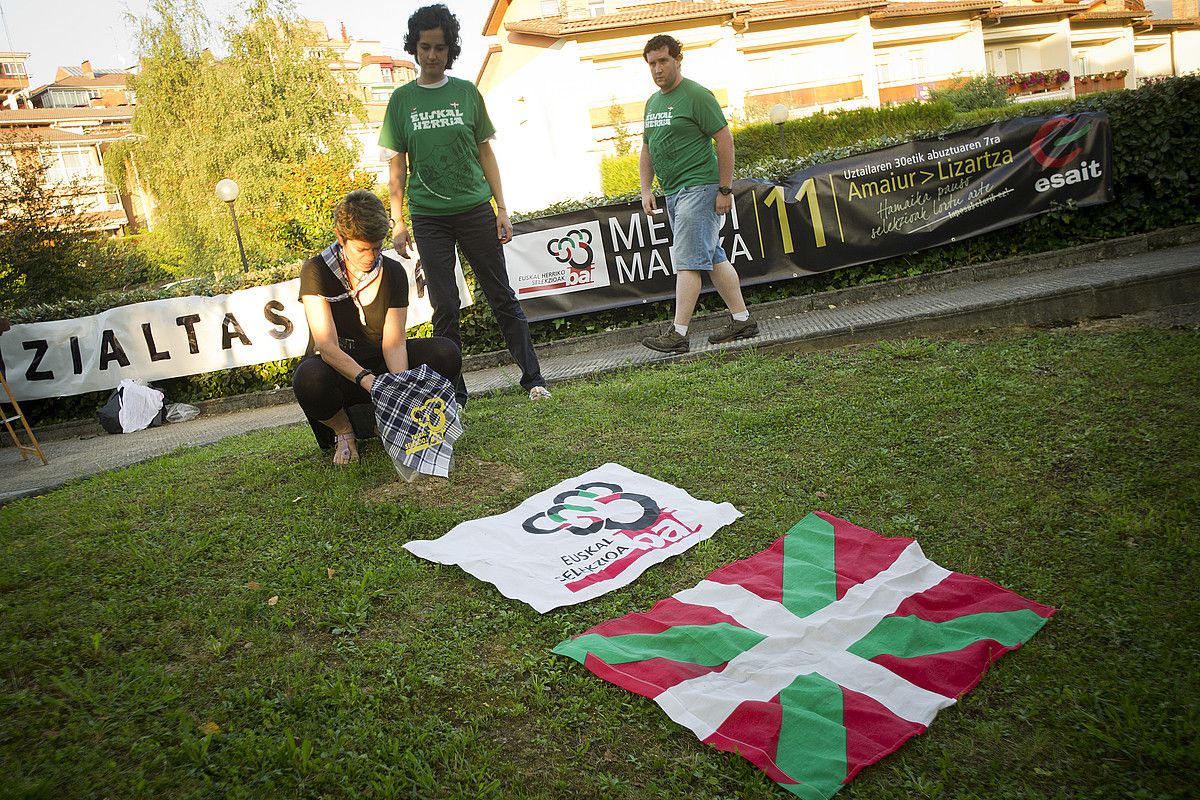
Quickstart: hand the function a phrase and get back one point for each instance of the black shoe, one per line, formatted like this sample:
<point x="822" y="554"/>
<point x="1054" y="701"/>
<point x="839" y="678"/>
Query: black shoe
<point x="669" y="341"/>
<point x="735" y="329"/>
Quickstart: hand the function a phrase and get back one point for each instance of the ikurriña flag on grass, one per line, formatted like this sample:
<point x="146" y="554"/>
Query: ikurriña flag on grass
<point x="817" y="656"/>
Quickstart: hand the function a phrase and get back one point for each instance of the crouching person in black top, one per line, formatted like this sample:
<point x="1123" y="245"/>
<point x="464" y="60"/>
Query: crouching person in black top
<point x="356" y="302"/>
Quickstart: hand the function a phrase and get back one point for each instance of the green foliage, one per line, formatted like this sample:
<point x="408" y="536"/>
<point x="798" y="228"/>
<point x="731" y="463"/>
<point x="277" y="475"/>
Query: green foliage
<point x="239" y="620"/>
<point x="301" y="217"/>
<point x="818" y="132"/>
<point x="619" y="174"/>
<point x="975" y="92"/>
<point x="616" y="118"/>
<point x="261" y="116"/>
<point x="115" y="159"/>
<point x="48" y="253"/>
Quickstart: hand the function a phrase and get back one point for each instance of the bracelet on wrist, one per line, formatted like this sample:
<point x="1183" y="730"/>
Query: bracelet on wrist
<point x="358" y="378"/>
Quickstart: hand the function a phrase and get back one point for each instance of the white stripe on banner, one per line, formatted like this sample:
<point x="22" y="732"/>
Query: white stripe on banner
<point x="815" y="644"/>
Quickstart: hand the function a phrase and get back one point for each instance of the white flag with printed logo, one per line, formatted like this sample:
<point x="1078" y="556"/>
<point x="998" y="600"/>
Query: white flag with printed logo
<point x="581" y="538"/>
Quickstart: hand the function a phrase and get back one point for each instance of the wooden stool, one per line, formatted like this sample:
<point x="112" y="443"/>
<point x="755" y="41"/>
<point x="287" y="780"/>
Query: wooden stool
<point x="25" y="449"/>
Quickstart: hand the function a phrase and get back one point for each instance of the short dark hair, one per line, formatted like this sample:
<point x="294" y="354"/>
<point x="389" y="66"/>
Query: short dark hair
<point x="360" y="216"/>
<point x="427" y="18"/>
<point x="674" y="48"/>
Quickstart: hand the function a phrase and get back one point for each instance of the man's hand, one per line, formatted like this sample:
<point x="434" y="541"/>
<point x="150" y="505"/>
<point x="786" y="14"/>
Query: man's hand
<point x="503" y="227"/>
<point x="724" y="203"/>
<point x="648" y="203"/>
<point x="401" y="239"/>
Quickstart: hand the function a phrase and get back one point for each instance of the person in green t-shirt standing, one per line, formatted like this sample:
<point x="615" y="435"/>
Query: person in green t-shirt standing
<point x="681" y="122"/>
<point x="436" y="137"/>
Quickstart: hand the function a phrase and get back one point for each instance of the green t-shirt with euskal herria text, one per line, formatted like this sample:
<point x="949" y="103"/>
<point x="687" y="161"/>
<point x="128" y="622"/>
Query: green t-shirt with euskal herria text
<point x="678" y="129"/>
<point x="440" y="131"/>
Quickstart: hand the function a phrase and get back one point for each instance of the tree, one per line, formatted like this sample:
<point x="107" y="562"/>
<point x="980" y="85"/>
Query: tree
<point x="616" y="118"/>
<point x="256" y="116"/>
<point x="44" y="247"/>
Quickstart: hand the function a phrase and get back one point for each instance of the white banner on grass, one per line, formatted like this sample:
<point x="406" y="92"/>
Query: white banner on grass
<point x="169" y="338"/>
<point x="580" y="539"/>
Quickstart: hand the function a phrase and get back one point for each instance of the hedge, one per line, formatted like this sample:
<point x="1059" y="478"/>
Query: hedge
<point x="1156" y="179"/>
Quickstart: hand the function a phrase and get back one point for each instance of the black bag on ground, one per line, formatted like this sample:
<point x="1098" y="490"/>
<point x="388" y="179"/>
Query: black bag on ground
<point x="144" y="414"/>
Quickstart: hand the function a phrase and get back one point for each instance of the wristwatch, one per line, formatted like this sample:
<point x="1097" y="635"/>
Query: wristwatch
<point x="725" y="190"/>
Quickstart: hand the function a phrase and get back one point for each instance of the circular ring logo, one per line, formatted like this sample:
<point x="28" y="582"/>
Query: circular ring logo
<point x="574" y="249"/>
<point x="1055" y="154"/>
<point x="593" y="507"/>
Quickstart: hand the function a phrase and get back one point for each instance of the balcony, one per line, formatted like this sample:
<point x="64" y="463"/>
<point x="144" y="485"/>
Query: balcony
<point x="1100" y="82"/>
<point x="1045" y="85"/>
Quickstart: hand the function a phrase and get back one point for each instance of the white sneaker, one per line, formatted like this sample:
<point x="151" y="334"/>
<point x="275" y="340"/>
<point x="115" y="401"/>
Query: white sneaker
<point x="539" y="393"/>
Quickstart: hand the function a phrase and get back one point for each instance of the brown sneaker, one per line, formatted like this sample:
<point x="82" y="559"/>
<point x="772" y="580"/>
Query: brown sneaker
<point x="735" y="329"/>
<point x="669" y="341"/>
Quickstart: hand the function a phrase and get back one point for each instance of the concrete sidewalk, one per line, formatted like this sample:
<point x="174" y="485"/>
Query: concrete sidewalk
<point x="1109" y="279"/>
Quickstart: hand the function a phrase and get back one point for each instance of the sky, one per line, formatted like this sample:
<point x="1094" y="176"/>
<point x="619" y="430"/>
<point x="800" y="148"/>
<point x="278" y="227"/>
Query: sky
<point x="65" y="32"/>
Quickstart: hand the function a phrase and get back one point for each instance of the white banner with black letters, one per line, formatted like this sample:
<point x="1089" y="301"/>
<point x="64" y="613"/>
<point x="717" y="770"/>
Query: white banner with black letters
<point x="169" y="338"/>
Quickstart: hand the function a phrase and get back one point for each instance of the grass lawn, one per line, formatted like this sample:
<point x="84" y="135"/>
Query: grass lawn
<point x="241" y="621"/>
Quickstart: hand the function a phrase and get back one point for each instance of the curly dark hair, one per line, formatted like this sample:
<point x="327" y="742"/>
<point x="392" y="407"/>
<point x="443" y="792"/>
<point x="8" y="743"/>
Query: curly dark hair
<point x="427" y="18"/>
<point x="674" y="49"/>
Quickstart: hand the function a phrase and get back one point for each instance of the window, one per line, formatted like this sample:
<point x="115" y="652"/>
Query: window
<point x="989" y="59"/>
<point x="67" y="164"/>
<point x="387" y="74"/>
<point x="69" y="98"/>
<point x="1012" y="59"/>
<point x="596" y="8"/>
<point x="883" y="71"/>
<point x="380" y="94"/>
<point x="916" y="65"/>
<point x="12" y="68"/>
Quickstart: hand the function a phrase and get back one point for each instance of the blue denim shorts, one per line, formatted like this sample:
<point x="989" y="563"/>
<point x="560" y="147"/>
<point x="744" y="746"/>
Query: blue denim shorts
<point x="695" y="228"/>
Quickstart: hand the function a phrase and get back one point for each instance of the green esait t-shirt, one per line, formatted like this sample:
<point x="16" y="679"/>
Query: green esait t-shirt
<point x="679" y="127"/>
<point x="440" y="131"/>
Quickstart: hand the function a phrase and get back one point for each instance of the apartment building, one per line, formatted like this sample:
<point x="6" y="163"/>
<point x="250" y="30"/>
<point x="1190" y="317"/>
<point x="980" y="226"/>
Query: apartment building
<point x="70" y="144"/>
<point x="370" y="75"/>
<point x="565" y="80"/>
<point x="83" y="86"/>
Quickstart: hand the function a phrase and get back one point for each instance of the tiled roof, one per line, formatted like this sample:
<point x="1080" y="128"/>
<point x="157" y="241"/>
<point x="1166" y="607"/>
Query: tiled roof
<point x="629" y="17"/>
<point x="786" y="9"/>
<point x="27" y="115"/>
<point x="59" y="136"/>
<point x="1032" y="10"/>
<point x="1175" y="22"/>
<point x="78" y="71"/>
<point x="906" y="9"/>
<point x="1103" y="15"/>
<point x="105" y="79"/>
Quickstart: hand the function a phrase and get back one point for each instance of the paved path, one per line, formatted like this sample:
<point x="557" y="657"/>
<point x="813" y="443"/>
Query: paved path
<point x="976" y="297"/>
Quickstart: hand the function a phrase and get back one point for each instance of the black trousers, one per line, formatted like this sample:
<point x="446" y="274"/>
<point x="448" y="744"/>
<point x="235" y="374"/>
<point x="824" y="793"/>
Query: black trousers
<point x="475" y="232"/>
<point x="322" y="391"/>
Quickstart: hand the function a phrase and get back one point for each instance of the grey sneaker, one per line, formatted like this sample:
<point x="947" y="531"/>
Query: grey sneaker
<point x="735" y="329"/>
<point x="669" y="341"/>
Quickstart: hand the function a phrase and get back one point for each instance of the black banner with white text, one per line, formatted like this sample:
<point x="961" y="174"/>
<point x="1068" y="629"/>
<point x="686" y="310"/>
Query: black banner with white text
<point x="869" y="207"/>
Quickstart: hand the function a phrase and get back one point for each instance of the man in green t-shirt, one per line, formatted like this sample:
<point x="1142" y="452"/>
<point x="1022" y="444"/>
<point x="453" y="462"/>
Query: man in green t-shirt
<point x="681" y="122"/>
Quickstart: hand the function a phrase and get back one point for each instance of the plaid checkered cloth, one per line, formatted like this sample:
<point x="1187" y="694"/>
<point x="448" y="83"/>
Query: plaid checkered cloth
<point x="418" y="420"/>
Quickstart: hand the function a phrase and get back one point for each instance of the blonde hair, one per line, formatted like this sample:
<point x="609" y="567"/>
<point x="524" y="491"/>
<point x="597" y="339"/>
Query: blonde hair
<point x="360" y="216"/>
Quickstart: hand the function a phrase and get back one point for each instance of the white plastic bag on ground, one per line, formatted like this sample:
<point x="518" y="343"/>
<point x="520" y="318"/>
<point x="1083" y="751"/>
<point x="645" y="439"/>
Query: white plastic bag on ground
<point x="181" y="412"/>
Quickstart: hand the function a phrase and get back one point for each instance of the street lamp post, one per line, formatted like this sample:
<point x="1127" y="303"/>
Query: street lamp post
<point x="227" y="190"/>
<point x="779" y="115"/>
